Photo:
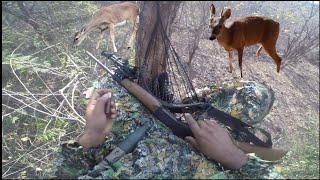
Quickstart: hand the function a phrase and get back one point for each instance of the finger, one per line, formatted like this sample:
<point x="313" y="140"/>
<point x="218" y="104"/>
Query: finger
<point x="97" y="94"/>
<point x="113" y="108"/>
<point x="212" y="124"/>
<point x="101" y="103"/>
<point x="192" y="123"/>
<point x="113" y="104"/>
<point x="192" y="141"/>
<point x="101" y="92"/>
<point x="202" y="124"/>
<point x="108" y="104"/>
<point x="113" y="111"/>
<point x="113" y="116"/>
<point x="209" y="123"/>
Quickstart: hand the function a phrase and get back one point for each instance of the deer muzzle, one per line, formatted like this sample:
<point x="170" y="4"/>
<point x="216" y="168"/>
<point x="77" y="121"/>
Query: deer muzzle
<point x="212" y="37"/>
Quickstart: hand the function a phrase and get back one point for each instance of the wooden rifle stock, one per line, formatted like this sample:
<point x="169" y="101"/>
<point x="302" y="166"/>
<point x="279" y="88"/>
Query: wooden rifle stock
<point x="178" y="128"/>
<point x="142" y="95"/>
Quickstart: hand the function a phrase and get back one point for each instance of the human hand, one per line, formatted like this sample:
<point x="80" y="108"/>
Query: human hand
<point x="100" y="111"/>
<point x="215" y="142"/>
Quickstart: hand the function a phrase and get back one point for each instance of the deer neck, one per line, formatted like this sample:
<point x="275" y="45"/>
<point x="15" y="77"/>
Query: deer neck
<point x="224" y="37"/>
<point x="89" y="28"/>
<point x="91" y="25"/>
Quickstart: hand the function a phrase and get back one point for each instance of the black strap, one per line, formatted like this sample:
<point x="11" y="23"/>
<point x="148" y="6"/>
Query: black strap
<point x="240" y="127"/>
<point x="235" y="124"/>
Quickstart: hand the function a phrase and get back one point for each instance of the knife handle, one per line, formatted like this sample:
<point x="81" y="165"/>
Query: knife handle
<point x="132" y="139"/>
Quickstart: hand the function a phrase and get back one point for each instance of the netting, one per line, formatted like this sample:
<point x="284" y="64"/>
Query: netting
<point x="173" y="84"/>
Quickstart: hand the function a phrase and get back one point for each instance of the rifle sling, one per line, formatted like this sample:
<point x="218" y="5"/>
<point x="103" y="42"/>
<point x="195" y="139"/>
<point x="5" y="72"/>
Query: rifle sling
<point x="178" y="128"/>
<point x="240" y="127"/>
<point x="234" y="123"/>
<point x="181" y="130"/>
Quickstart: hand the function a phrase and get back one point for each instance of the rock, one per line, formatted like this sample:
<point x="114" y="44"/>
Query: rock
<point x="246" y="100"/>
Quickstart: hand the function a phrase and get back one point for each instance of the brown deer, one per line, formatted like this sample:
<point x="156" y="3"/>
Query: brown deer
<point x="245" y="32"/>
<point x="107" y="17"/>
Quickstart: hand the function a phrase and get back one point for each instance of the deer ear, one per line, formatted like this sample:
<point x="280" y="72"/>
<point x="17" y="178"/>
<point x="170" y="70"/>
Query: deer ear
<point x="76" y="34"/>
<point x="212" y="9"/>
<point x="227" y="14"/>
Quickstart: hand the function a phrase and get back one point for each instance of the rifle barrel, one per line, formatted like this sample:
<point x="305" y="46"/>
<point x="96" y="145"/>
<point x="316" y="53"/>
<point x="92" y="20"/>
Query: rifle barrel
<point x="103" y="66"/>
<point x="112" y="58"/>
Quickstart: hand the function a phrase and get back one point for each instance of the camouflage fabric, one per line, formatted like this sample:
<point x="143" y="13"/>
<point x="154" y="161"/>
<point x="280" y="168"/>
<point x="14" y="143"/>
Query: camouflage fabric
<point x="159" y="155"/>
<point x="74" y="160"/>
<point x="246" y="100"/>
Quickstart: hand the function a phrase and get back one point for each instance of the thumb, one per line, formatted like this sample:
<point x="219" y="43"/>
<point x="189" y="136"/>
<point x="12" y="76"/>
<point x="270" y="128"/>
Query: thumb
<point x="101" y="103"/>
<point x="192" y="141"/>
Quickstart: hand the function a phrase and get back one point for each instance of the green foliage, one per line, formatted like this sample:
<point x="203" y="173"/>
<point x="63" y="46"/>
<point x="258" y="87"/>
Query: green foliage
<point x="11" y="39"/>
<point x="117" y="127"/>
<point x="117" y="164"/>
<point x="302" y="160"/>
<point x="52" y="133"/>
<point x="218" y="176"/>
<point x="89" y="7"/>
<point x="108" y="173"/>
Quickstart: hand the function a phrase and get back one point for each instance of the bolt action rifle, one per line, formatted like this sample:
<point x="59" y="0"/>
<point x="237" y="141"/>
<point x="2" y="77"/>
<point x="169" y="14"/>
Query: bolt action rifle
<point x="124" y="74"/>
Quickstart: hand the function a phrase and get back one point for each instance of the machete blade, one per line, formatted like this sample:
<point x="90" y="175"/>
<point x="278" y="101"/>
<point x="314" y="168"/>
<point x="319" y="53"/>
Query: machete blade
<point x="270" y="154"/>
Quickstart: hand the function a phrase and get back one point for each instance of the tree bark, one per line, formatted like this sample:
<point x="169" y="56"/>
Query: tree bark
<point x="150" y="48"/>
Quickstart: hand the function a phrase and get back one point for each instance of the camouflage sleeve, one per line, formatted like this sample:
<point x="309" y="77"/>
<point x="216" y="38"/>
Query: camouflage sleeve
<point x="73" y="160"/>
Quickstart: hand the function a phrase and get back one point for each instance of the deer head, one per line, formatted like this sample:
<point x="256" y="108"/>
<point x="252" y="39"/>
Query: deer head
<point x="79" y="37"/>
<point x="216" y="23"/>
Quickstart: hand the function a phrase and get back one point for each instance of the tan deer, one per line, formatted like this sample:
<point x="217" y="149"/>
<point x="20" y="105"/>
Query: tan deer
<point x="107" y="17"/>
<point x="245" y="32"/>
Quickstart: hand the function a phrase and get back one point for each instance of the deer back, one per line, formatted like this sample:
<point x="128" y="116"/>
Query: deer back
<point x="252" y="30"/>
<point x="116" y="13"/>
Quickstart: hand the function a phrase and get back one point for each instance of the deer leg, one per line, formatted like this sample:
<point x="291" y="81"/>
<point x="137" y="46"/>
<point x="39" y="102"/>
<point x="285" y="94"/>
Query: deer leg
<point x="112" y="37"/>
<point x="100" y="38"/>
<point x="240" y="53"/>
<point x="134" y="30"/>
<point x="259" y="51"/>
<point x="271" y="50"/>
<point x="230" y="61"/>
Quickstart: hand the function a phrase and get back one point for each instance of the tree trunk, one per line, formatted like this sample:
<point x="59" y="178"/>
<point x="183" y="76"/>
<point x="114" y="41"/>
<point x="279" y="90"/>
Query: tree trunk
<point x="151" y="52"/>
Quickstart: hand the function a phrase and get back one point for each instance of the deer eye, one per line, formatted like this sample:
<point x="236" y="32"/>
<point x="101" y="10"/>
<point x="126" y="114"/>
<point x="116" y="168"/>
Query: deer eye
<point x="76" y="39"/>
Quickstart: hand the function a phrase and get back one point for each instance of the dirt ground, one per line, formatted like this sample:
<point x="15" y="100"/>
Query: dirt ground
<point x="296" y="87"/>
